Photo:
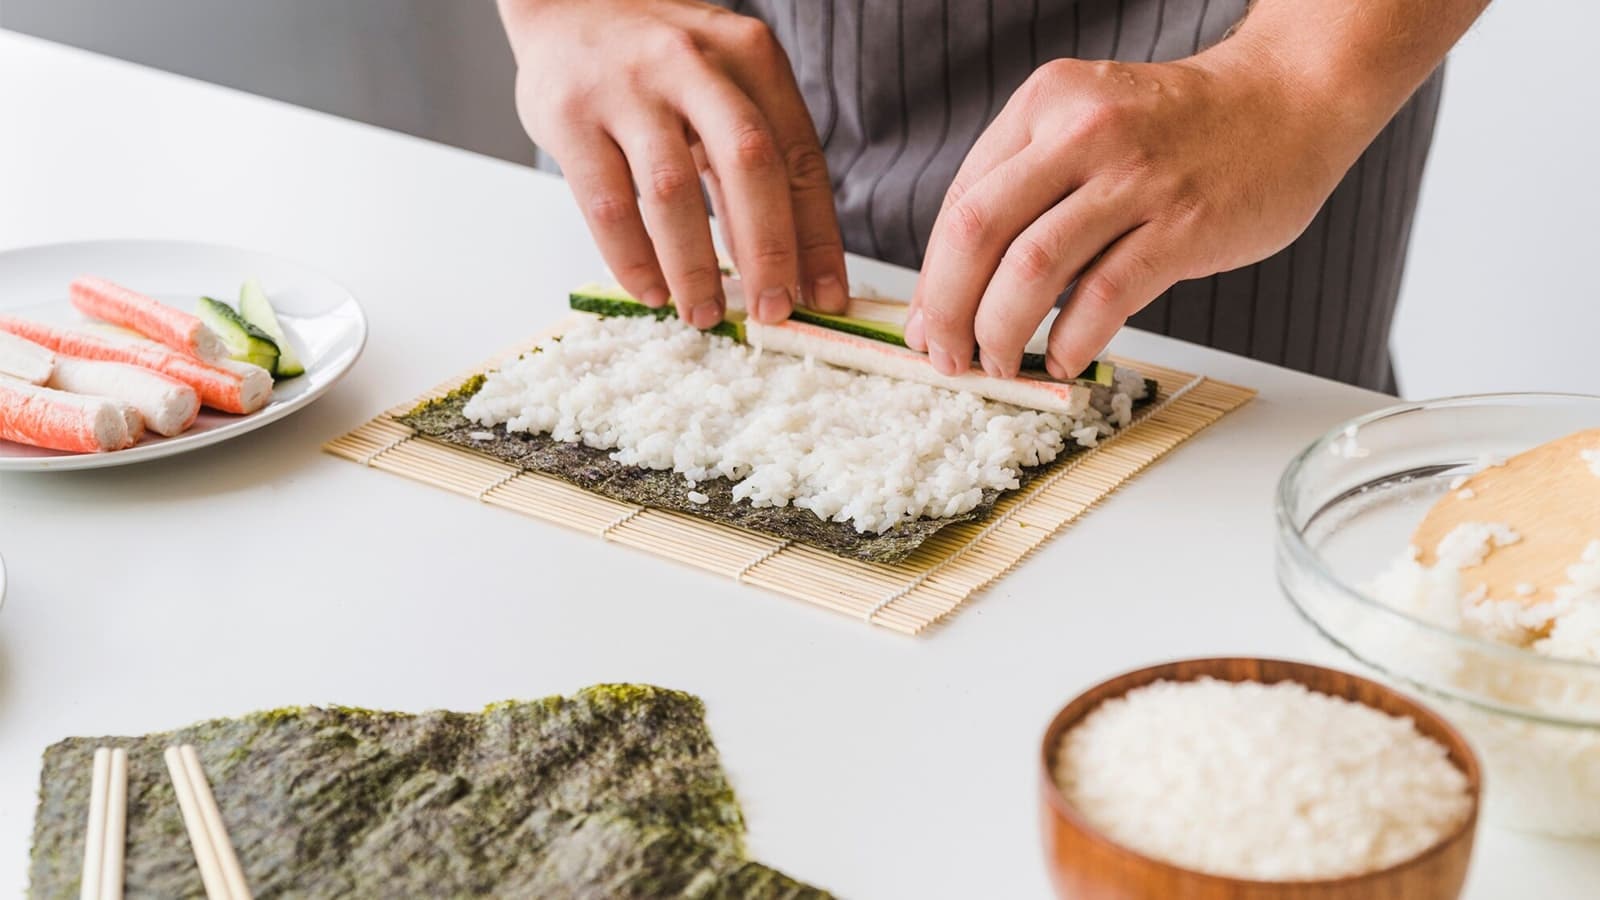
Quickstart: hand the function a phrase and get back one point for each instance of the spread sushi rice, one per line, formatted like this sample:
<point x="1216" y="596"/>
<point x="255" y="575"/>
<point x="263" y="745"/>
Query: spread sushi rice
<point x="1268" y="782"/>
<point x="850" y="447"/>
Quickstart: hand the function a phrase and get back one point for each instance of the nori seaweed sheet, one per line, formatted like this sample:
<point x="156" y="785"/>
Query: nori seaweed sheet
<point x="614" y="792"/>
<point x="594" y="470"/>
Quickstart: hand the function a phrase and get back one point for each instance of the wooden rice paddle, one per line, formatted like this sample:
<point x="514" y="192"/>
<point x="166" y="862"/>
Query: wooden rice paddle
<point x="1548" y="495"/>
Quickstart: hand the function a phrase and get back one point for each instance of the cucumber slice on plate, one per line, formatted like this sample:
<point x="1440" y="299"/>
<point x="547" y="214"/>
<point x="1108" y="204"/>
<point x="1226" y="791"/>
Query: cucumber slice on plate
<point x="258" y="311"/>
<point x="244" y="341"/>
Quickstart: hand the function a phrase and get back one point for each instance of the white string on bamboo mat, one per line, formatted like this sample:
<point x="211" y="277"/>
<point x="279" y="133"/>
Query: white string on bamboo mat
<point x="499" y="482"/>
<point x="621" y="521"/>
<point x="765" y="555"/>
<point x="1049" y="482"/>
<point x="372" y="457"/>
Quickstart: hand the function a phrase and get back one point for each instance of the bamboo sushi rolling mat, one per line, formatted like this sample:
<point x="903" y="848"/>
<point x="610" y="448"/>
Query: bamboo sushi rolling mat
<point x="949" y="568"/>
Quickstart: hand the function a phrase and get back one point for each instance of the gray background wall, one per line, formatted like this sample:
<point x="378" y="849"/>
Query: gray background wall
<point x="1498" y="294"/>
<point x="439" y="69"/>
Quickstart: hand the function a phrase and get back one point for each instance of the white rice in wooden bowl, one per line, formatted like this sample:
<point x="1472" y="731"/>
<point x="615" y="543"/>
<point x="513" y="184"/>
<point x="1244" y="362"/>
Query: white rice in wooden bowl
<point x="1265" y="782"/>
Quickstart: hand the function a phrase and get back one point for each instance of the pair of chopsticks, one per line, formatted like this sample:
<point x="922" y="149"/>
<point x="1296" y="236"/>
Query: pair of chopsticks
<point x="219" y="865"/>
<point x="107" y="837"/>
<point x="106" y="841"/>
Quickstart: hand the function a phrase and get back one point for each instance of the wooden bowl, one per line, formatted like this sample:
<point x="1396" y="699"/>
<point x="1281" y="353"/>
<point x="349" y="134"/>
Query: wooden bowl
<point x="1086" y="865"/>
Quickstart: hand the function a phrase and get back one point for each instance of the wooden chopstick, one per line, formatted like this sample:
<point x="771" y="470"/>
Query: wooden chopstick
<point x="213" y="851"/>
<point x="105" y="839"/>
<point x="94" y="840"/>
<point x="116" y="839"/>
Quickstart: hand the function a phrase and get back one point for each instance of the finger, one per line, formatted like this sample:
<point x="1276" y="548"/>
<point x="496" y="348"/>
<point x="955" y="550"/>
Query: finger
<point x="743" y="154"/>
<point x="968" y="240"/>
<point x="999" y="142"/>
<point x="1039" y="265"/>
<point x="824" y="284"/>
<point x="759" y="66"/>
<point x="674" y="213"/>
<point x="994" y="147"/>
<point x="713" y="188"/>
<point x="1133" y="272"/>
<point x="597" y="173"/>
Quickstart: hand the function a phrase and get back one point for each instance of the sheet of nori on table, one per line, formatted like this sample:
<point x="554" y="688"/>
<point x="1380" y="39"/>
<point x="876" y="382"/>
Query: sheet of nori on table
<point x="594" y="470"/>
<point x="616" y="792"/>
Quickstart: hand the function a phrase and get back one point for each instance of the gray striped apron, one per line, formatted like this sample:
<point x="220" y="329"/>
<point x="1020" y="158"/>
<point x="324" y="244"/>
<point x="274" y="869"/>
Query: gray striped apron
<point x="900" y="90"/>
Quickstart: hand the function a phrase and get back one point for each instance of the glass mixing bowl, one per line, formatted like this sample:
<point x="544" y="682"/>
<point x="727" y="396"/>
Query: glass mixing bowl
<point x="1346" y="508"/>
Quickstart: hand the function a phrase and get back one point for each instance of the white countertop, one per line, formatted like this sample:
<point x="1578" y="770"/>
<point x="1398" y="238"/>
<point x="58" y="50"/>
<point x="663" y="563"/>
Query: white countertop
<point x="263" y="573"/>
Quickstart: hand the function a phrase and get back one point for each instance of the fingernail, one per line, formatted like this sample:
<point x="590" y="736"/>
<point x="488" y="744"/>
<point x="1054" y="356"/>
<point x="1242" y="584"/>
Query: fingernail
<point x="942" y="361"/>
<point x="774" y="305"/>
<point x="655" y="298"/>
<point x="1055" y="368"/>
<point x="828" y="295"/>
<point x="705" y="315"/>
<point x="990" y="367"/>
<point x="915" y="339"/>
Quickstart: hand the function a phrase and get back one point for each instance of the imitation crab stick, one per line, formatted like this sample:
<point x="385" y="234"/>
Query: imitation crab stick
<point x="852" y="351"/>
<point x="132" y="419"/>
<point x="181" y="331"/>
<point x="24" y="359"/>
<point x="58" y="420"/>
<point x="168" y="405"/>
<point x="225" y="385"/>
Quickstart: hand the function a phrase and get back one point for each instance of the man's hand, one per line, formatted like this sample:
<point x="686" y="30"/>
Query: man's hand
<point x="1126" y="178"/>
<point x="655" y="95"/>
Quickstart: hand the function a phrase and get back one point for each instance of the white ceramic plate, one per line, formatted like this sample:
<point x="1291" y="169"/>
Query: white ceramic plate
<point x="322" y="320"/>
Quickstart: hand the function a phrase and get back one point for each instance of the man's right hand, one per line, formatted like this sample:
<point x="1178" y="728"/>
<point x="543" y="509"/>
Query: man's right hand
<point x="653" y="95"/>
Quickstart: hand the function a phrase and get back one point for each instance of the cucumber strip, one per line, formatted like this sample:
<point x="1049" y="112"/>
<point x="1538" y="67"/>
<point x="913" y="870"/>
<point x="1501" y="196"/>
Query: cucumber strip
<point x="245" y="342"/>
<point x="1099" y="372"/>
<point x="614" y="301"/>
<point x="887" y="332"/>
<point x="257" y="310"/>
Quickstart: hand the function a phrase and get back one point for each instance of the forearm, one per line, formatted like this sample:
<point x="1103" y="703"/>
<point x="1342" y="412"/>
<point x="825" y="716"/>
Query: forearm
<point x="1357" y="60"/>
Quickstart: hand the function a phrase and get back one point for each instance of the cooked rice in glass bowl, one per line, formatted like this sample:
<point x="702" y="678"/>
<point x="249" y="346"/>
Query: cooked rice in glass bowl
<point x="1346" y="508"/>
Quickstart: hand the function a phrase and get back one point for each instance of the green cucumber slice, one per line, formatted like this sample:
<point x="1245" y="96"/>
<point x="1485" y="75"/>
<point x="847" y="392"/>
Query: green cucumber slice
<point x="245" y="342"/>
<point x="258" y="311"/>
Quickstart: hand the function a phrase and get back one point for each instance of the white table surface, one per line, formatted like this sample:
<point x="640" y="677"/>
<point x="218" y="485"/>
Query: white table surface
<point x="264" y="573"/>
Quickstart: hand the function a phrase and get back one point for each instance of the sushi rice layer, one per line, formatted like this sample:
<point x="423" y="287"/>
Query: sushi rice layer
<point x="850" y="447"/>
